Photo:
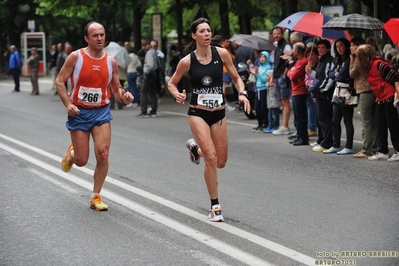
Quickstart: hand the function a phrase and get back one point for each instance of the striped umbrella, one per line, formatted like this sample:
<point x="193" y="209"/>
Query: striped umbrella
<point x="354" y="22"/>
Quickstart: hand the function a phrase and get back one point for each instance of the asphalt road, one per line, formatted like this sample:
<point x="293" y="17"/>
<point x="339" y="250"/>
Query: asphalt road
<point x="283" y="205"/>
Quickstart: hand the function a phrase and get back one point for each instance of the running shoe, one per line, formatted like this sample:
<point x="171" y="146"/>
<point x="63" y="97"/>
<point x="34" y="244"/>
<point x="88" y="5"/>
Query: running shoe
<point x="190" y="144"/>
<point x="215" y="214"/>
<point x="394" y="157"/>
<point x="331" y="150"/>
<point x="258" y="129"/>
<point x="97" y="204"/>
<point x="379" y="155"/>
<point x="345" y="151"/>
<point x="281" y="131"/>
<point x="66" y="162"/>
<point x="319" y="148"/>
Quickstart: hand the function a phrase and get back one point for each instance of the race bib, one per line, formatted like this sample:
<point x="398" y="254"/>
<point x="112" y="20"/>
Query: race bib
<point x="90" y="96"/>
<point x="211" y="101"/>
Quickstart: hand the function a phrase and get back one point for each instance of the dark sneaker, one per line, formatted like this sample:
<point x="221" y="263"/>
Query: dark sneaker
<point x="153" y="114"/>
<point x="143" y="115"/>
<point x="190" y="144"/>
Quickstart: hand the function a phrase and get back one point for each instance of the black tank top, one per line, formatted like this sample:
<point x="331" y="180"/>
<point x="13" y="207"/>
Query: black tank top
<point x="206" y="81"/>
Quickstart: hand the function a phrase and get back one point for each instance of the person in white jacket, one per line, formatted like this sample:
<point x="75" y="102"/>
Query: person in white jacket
<point x="132" y="75"/>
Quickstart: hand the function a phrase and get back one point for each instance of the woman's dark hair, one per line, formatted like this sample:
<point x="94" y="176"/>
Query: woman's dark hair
<point x="217" y="40"/>
<point x="193" y="29"/>
<point x="311" y="49"/>
<point x="358" y="41"/>
<point x="373" y="42"/>
<point x="341" y="58"/>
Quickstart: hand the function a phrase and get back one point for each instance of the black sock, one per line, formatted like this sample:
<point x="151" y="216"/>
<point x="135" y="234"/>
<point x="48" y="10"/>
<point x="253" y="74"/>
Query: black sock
<point x="194" y="150"/>
<point x="214" y="202"/>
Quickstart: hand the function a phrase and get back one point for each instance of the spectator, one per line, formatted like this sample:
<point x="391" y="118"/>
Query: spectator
<point x="273" y="104"/>
<point x="132" y="75"/>
<point x="383" y="81"/>
<point x="6" y="61"/>
<point x="261" y="92"/>
<point x="221" y="41"/>
<point x="340" y="74"/>
<point x="373" y="42"/>
<point x="160" y="72"/>
<point x="33" y="63"/>
<point x="299" y="94"/>
<point x="15" y="66"/>
<point x="53" y="64"/>
<point x="313" y="59"/>
<point x="62" y="55"/>
<point x="174" y="58"/>
<point x="323" y="94"/>
<point x="280" y="78"/>
<point x="148" y="90"/>
<point x="367" y="105"/>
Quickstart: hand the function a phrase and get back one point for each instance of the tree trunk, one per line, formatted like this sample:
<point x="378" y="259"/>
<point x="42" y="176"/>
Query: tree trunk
<point x="224" y="18"/>
<point x="137" y="15"/>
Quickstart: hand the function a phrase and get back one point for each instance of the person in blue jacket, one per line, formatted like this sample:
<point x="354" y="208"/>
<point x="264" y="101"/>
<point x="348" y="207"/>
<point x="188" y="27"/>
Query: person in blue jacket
<point x="261" y="94"/>
<point x="15" y="66"/>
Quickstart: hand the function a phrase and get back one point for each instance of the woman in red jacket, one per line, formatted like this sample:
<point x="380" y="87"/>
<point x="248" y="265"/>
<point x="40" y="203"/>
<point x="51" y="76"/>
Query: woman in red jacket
<point x="383" y="81"/>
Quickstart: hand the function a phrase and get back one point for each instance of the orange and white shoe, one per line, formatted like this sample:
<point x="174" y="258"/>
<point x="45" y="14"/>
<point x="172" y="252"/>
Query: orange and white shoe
<point x="66" y="162"/>
<point x="97" y="204"/>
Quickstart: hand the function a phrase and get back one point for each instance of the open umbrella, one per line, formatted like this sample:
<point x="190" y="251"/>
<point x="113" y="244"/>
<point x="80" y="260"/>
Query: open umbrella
<point x="119" y="53"/>
<point x="311" y="23"/>
<point x="354" y="22"/>
<point x="391" y="27"/>
<point x="252" y="41"/>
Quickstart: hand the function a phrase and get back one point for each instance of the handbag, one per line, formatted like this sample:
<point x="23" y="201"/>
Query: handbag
<point x="344" y="95"/>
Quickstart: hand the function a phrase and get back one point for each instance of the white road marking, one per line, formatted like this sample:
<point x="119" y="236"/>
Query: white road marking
<point x="205" y="239"/>
<point x="287" y="252"/>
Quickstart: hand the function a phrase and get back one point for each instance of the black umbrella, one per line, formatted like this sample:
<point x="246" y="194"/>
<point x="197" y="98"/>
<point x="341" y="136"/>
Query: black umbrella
<point x="252" y="41"/>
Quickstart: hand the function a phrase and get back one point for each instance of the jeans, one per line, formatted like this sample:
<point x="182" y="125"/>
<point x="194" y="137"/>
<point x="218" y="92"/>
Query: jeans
<point x="345" y="112"/>
<point x="301" y="116"/>
<point x="387" y="118"/>
<point x="274" y="117"/>
<point x="368" y="120"/>
<point x="312" y="114"/>
<point x="131" y="80"/>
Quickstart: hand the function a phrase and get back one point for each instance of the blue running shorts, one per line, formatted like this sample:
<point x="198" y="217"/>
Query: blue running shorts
<point x="88" y="118"/>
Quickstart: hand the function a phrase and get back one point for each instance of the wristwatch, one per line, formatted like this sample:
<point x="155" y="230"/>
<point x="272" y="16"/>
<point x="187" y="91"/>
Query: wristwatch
<point x="244" y="93"/>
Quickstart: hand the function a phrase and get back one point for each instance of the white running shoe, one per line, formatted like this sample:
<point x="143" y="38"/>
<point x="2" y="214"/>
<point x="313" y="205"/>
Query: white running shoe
<point x="215" y="214"/>
<point x="190" y="144"/>
<point x="230" y="108"/>
<point x="379" y="155"/>
<point x="394" y="157"/>
<point x="281" y="131"/>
